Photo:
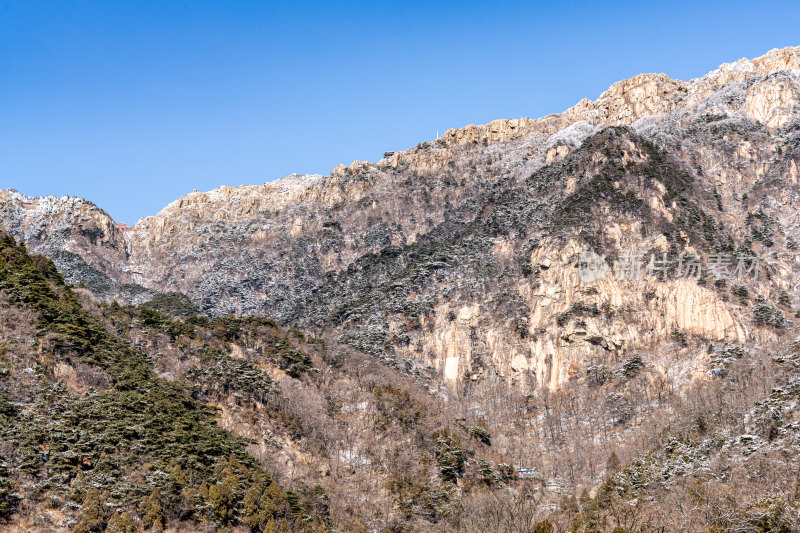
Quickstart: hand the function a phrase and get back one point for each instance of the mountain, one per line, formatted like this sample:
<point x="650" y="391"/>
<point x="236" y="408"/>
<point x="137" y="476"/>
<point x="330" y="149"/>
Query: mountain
<point x="90" y="433"/>
<point x="575" y="286"/>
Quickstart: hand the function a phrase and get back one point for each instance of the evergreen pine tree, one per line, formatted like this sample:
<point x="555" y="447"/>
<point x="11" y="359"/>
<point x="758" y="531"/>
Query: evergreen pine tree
<point x="151" y="508"/>
<point x="91" y="518"/>
<point x="585" y="499"/>
<point x="8" y="498"/>
<point x="612" y="463"/>
<point x="121" y="522"/>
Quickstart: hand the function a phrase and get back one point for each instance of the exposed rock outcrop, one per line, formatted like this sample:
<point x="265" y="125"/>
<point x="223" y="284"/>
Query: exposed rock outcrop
<point x="460" y="254"/>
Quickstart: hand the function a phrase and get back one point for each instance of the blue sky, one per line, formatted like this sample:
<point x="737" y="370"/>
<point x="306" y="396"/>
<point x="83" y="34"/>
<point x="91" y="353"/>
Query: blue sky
<point x="131" y="104"/>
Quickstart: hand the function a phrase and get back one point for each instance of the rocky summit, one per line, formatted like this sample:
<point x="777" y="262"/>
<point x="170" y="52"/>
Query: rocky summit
<point x="586" y="320"/>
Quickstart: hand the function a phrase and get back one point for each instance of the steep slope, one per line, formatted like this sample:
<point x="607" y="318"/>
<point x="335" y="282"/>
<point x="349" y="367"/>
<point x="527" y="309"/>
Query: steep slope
<point x="86" y="245"/>
<point x="727" y="463"/>
<point x="287" y="248"/>
<point x="540" y="293"/>
<point x="91" y="436"/>
<point x="111" y="417"/>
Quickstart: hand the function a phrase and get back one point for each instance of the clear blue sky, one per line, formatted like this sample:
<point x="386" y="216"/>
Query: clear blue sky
<point x="131" y="104"/>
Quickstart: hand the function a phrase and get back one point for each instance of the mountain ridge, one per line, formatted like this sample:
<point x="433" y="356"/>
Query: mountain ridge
<point x="605" y="301"/>
<point x="273" y="248"/>
<point x="500" y="129"/>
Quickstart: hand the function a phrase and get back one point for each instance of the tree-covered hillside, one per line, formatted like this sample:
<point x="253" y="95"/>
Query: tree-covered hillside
<point x="94" y="441"/>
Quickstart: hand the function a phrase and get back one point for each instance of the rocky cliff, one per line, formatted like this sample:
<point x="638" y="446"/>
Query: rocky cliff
<point x="460" y="259"/>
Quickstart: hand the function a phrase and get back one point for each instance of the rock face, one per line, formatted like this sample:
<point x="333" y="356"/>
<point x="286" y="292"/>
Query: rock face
<point x="461" y="256"/>
<point x="82" y="240"/>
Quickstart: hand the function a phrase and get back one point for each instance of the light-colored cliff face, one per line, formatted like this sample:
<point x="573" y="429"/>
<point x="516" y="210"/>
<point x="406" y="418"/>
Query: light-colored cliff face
<point x="425" y="256"/>
<point x="773" y="101"/>
<point x="638" y="316"/>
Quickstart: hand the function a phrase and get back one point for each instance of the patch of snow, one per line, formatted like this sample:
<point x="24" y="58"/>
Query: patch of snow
<point x="295" y="180"/>
<point x="743" y="65"/>
<point x="574" y="134"/>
